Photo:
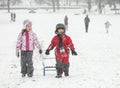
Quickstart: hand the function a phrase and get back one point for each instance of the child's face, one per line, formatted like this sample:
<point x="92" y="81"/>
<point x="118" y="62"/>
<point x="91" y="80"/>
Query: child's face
<point x="60" y="31"/>
<point x="28" y="27"/>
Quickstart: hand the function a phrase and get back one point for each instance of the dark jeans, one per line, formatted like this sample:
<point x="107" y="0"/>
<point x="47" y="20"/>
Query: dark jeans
<point x="26" y="62"/>
<point x="86" y="27"/>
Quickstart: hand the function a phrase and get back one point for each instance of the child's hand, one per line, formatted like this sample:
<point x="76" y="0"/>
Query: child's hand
<point x="40" y="51"/>
<point x="47" y="52"/>
<point x="74" y="52"/>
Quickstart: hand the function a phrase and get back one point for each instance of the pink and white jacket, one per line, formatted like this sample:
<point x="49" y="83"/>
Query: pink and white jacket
<point x="32" y="42"/>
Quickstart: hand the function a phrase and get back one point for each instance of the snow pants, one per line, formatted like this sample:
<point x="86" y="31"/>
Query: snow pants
<point x="26" y="62"/>
<point x="62" y="62"/>
<point x="61" y="67"/>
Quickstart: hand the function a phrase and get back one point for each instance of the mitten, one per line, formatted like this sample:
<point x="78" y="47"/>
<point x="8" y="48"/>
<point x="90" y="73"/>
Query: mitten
<point x="40" y="51"/>
<point x="47" y="52"/>
<point x="74" y="52"/>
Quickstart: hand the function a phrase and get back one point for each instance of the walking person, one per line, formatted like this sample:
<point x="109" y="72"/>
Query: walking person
<point x="66" y="22"/>
<point x="107" y="25"/>
<point x="11" y="15"/>
<point x="14" y="17"/>
<point x="62" y="43"/>
<point x="27" y="40"/>
<point x="86" y="21"/>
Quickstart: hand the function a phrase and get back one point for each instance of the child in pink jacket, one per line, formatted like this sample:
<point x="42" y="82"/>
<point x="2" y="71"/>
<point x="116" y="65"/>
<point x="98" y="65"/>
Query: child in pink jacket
<point x="27" y="40"/>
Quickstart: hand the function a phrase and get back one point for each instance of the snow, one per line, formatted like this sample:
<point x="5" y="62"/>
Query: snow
<point x="96" y="66"/>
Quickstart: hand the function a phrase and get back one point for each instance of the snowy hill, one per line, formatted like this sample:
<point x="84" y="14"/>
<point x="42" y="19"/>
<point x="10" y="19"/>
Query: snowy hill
<point x="96" y="66"/>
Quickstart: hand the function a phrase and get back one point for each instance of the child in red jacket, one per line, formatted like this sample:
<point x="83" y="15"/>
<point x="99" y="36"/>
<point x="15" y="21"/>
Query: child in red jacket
<point x="62" y="42"/>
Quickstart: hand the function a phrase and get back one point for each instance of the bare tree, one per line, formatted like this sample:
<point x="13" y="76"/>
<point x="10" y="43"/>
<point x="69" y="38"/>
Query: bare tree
<point x="8" y="4"/>
<point x="67" y="2"/>
<point x="3" y="3"/>
<point x="58" y="4"/>
<point x="114" y="4"/>
<point x="100" y="6"/>
<point x="89" y="5"/>
<point x="77" y="2"/>
<point x="53" y="4"/>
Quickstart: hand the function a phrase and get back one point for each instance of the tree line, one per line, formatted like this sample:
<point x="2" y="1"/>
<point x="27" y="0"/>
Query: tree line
<point x="57" y="3"/>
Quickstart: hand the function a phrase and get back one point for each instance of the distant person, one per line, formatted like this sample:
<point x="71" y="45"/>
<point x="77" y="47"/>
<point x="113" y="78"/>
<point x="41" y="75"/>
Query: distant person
<point x="14" y="17"/>
<point x="66" y="22"/>
<point x="86" y="20"/>
<point x="107" y="25"/>
<point x="11" y="15"/>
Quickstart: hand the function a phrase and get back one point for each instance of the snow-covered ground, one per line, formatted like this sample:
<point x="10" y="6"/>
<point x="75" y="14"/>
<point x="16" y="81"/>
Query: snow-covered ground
<point x="96" y="66"/>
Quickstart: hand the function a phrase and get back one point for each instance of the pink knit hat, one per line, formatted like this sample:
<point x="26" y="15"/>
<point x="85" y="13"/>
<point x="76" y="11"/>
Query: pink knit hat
<point x="26" y="22"/>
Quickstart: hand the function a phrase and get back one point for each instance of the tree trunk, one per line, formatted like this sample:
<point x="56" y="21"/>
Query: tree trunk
<point x="77" y="2"/>
<point x="89" y="5"/>
<point x="67" y="2"/>
<point x="3" y="3"/>
<point x="114" y="4"/>
<point x="58" y="4"/>
<point x="100" y="6"/>
<point x="8" y="3"/>
<point x="53" y="3"/>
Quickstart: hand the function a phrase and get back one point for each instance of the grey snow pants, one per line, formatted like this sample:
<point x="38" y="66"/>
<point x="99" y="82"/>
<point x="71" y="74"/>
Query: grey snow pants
<point x="26" y="62"/>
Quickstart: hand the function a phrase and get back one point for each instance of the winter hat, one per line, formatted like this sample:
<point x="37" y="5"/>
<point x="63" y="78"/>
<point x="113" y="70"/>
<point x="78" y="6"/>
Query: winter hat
<point x="60" y="26"/>
<point x="26" y="22"/>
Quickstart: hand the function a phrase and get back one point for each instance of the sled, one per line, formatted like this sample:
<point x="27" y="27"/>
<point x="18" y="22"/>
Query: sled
<point x="48" y="65"/>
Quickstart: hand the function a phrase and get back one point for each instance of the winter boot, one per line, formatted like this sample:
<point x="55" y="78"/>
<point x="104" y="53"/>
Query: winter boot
<point x="30" y="75"/>
<point x="59" y="69"/>
<point x="23" y="75"/>
<point x="59" y="73"/>
<point x="58" y="76"/>
<point x="66" y="74"/>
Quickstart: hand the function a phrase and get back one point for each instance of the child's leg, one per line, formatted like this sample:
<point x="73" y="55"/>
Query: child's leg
<point x="23" y="63"/>
<point x="59" y="66"/>
<point x="66" y="69"/>
<point x="66" y="64"/>
<point x="30" y="63"/>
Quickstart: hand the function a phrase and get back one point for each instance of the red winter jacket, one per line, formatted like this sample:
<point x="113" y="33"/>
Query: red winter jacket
<point x="67" y="43"/>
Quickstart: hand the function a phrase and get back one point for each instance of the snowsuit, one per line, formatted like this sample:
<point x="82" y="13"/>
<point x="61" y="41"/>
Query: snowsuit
<point x="86" y="20"/>
<point x="26" y="43"/>
<point x="62" y="52"/>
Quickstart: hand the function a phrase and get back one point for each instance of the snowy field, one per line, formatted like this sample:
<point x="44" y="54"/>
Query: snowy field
<point x="96" y="66"/>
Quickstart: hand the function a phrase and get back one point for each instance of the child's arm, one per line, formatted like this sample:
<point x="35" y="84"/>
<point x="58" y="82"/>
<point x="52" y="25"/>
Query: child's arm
<point x="71" y="45"/>
<point x="50" y="47"/>
<point x="36" y="42"/>
<point x="18" y="45"/>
